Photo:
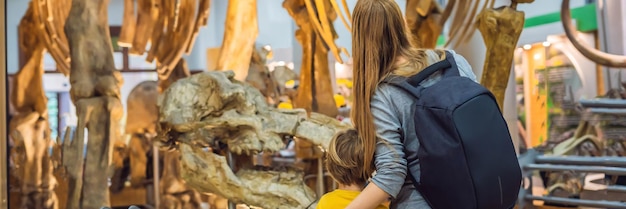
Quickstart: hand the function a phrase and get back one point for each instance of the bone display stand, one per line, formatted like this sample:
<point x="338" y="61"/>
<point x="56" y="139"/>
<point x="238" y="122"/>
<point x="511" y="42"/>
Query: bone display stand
<point x="29" y="128"/>
<point x="260" y="77"/>
<point x="212" y="106"/>
<point x="500" y="29"/>
<point x="95" y="90"/>
<point x="239" y="36"/>
<point x="423" y="18"/>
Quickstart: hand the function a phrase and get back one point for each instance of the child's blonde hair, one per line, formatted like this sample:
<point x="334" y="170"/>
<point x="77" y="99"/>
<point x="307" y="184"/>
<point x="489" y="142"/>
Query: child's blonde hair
<point x="345" y="157"/>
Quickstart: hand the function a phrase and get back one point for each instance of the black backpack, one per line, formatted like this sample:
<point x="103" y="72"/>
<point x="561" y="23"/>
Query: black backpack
<point x="466" y="156"/>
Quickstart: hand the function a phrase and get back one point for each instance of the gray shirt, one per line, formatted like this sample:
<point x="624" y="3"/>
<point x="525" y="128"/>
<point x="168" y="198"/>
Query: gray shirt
<point x="392" y="109"/>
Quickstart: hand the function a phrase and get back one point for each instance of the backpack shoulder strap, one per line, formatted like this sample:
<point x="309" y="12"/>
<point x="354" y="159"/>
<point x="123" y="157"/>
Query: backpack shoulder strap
<point x="448" y="63"/>
<point x="412" y="84"/>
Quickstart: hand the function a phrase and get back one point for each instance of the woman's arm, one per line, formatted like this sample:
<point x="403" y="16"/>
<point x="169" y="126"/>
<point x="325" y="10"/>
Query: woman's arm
<point x="370" y="198"/>
<point x="391" y="165"/>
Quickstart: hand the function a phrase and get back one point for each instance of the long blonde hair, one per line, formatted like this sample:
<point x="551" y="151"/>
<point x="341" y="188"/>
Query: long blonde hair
<point x="380" y="47"/>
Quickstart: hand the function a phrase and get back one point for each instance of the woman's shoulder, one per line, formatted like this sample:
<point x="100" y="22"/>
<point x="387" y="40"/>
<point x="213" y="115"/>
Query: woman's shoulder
<point x="465" y="69"/>
<point x="388" y="91"/>
<point x="390" y="96"/>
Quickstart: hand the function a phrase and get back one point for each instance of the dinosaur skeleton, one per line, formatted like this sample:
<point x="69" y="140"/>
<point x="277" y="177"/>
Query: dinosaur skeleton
<point x="214" y="108"/>
<point x="29" y="128"/>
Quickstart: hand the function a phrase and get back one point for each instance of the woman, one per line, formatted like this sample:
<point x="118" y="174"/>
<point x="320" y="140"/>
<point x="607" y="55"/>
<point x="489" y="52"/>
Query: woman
<point x="382" y="113"/>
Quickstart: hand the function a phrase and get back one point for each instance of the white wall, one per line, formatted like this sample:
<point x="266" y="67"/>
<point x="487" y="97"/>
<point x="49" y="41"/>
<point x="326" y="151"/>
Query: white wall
<point x="541" y="7"/>
<point x="14" y="12"/>
<point x="623" y="12"/>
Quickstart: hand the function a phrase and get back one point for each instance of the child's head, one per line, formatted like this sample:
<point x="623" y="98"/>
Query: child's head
<point x="345" y="157"/>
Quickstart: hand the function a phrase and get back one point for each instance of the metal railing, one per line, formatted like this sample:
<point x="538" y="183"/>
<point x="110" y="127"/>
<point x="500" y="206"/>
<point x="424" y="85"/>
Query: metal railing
<point x="533" y="160"/>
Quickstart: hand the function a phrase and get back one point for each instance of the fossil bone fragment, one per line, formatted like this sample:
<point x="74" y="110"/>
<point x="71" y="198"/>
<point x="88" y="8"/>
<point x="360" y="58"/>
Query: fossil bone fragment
<point x="95" y="90"/>
<point x="147" y="12"/>
<point x="610" y="60"/>
<point x="239" y="36"/>
<point x="213" y="107"/>
<point x="260" y="77"/>
<point x="178" y="33"/>
<point x="501" y="29"/>
<point x="128" y="24"/>
<point x="424" y="21"/>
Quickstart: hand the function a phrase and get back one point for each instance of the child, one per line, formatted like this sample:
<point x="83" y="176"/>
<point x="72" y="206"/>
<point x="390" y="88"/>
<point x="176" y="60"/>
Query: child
<point x="343" y="161"/>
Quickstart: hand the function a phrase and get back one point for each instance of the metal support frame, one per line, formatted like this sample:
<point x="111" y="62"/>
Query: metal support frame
<point x="602" y="103"/>
<point x="320" y="177"/>
<point x="534" y="160"/>
<point x="4" y="193"/>
<point x="231" y="164"/>
<point x="156" y="178"/>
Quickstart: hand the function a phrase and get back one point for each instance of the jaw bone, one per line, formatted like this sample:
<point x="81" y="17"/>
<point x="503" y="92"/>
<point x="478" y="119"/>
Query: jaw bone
<point x="213" y="106"/>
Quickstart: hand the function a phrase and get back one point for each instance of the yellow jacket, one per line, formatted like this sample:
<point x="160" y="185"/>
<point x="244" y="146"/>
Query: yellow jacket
<point x="339" y="199"/>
